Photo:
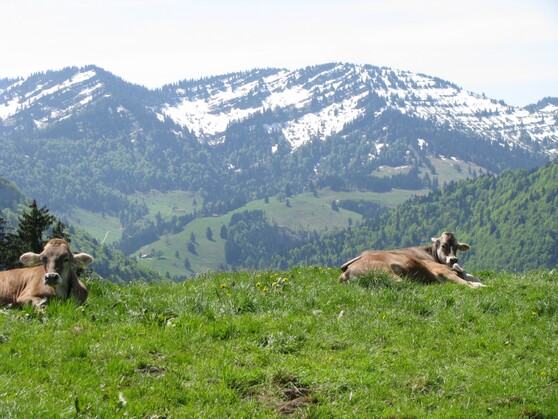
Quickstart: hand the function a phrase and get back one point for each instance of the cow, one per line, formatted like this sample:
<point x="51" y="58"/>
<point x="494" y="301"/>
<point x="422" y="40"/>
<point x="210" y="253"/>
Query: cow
<point x="434" y="263"/>
<point x="54" y="278"/>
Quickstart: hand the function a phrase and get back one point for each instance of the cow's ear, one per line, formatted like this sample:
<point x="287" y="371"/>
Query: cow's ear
<point x="436" y="240"/>
<point x="83" y="259"/>
<point x="463" y="247"/>
<point x="30" y="259"/>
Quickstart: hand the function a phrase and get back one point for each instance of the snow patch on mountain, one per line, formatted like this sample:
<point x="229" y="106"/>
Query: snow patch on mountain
<point x="341" y="90"/>
<point x="306" y="104"/>
<point x="16" y="103"/>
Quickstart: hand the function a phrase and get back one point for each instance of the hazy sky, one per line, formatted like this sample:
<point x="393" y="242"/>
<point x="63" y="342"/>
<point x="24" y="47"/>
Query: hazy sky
<point x="507" y="49"/>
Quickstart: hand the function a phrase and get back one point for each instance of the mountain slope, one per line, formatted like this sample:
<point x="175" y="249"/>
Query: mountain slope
<point x="511" y="221"/>
<point x="320" y="101"/>
<point x="315" y="102"/>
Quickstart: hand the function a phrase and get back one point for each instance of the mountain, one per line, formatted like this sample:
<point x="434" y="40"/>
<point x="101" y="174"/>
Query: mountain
<point x="85" y="138"/>
<point x="312" y="103"/>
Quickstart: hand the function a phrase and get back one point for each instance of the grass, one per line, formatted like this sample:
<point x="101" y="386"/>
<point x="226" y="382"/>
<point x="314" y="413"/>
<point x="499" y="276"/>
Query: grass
<point x="104" y="228"/>
<point x="270" y="344"/>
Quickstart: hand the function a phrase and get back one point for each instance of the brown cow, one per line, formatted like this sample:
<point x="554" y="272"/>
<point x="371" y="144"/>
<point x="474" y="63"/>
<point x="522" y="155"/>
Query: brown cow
<point x="434" y="263"/>
<point x="55" y="278"/>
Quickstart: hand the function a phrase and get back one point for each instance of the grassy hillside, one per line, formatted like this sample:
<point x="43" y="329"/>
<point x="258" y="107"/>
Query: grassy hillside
<point x="304" y="211"/>
<point x="104" y="228"/>
<point x="510" y="220"/>
<point x="298" y="342"/>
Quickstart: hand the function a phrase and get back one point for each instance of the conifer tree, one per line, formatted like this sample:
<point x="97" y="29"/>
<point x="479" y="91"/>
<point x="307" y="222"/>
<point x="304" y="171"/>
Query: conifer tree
<point x="28" y="236"/>
<point x="59" y="232"/>
<point x="3" y="242"/>
<point x="32" y="225"/>
<point x="224" y="232"/>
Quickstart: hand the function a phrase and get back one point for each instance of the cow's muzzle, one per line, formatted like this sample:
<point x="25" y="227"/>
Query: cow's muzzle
<point x="451" y="260"/>
<point x="52" y="278"/>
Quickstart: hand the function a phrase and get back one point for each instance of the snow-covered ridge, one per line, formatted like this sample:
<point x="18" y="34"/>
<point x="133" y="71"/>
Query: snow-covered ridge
<point x="337" y="94"/>
<point x="17" y="101"/>
<point x="311" y="103"/>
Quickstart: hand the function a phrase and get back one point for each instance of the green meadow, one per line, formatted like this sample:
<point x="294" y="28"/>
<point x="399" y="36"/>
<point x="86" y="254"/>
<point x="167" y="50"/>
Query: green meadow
<point x="301" y="212"/>
<point x="294" y="343"/>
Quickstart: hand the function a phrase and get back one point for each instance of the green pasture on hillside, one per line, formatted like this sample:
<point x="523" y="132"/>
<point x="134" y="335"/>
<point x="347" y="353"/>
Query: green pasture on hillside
<point x="301" y="212"/>
<point x="273" y="344"/>
<point x="106" y="229"/>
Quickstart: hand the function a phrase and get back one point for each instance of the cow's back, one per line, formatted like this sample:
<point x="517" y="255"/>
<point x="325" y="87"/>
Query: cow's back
<point x="421" y="253"/>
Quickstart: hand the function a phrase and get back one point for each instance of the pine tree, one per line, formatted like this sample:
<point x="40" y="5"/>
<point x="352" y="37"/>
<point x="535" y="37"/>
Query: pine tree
<point x="224" y="232"/>
<point x="3" y="242"/>
<point x="59" y="232"/>
<point x="28" y="236"/>
<point x="31" y="227"/>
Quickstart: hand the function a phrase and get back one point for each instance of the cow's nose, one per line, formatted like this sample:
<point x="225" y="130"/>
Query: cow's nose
<point x="452" y="260"/>
<point x="51" y="278"/>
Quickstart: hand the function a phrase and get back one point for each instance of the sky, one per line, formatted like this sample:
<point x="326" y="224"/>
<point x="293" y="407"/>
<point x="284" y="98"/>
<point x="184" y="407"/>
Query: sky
<point x="506" y="49"/>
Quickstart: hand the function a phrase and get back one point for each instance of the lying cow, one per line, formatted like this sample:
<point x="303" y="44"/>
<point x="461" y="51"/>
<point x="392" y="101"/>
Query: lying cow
<point x="55" y="278"/>
<point x="434" y="263"/>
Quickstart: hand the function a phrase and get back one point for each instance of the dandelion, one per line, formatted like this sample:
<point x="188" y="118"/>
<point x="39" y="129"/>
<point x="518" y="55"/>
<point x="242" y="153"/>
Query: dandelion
<point x="330" y="359"/>
<point x="264" y="289"/>
<point x="258" y="284"/>
<point x="223" y="286"/>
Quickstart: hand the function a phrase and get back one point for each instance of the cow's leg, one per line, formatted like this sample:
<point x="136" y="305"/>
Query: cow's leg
<point x="79" y="291"/>
<point x="444" y="273"/>
<point x="34" y="300"/>
<point x="415" y="269"/>
<point x="465" y="275"/>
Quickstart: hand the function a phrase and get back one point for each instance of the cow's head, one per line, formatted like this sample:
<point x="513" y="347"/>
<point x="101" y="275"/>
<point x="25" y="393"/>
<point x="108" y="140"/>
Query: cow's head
<point x="446" y="247"/>
<point x="59" y="262"/>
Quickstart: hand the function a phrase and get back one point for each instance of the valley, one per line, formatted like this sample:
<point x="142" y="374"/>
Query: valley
<point x="170" y="256"/>
<point x="305" y="211"/>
